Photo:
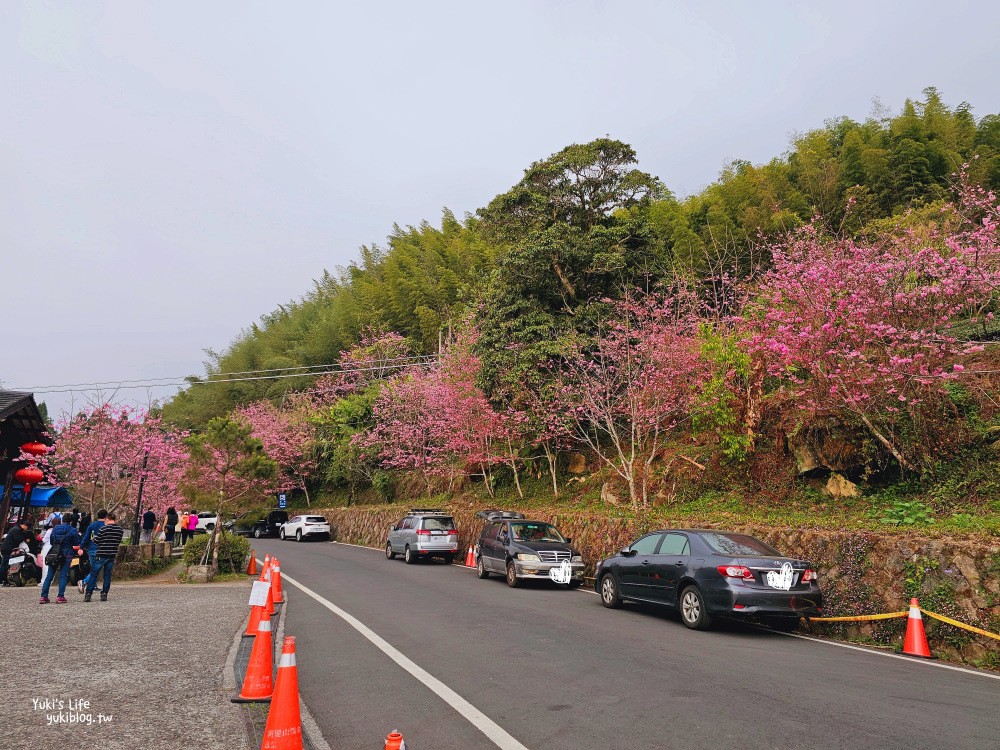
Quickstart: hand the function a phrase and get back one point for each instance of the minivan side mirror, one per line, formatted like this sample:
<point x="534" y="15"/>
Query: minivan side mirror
<point x="569" y="540"/>
<point x="627" y="552"/>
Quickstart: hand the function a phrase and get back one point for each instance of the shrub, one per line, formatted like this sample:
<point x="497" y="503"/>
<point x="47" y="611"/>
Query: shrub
<point x="233" y="551"/>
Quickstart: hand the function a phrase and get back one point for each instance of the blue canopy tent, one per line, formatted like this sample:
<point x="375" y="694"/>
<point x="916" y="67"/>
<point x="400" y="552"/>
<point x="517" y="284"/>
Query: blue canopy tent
<point x="41" y="497"/>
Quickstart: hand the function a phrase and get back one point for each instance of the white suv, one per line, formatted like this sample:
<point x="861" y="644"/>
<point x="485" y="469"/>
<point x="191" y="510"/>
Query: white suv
<point x="206" y="521"/>
<point x="301" y="527"/>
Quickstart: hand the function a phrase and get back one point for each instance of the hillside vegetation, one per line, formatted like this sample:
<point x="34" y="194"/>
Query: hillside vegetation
<point x="824" y="323"/>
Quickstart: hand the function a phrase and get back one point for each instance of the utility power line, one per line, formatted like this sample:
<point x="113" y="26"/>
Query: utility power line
<point x="248" y="375"/>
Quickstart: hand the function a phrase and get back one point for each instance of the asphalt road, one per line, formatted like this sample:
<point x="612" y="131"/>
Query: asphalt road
<point x="558" y="671"/>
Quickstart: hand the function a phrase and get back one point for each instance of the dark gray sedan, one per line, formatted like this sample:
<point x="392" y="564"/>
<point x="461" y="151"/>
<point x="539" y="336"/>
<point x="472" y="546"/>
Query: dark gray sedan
<point x="704" y="573"/>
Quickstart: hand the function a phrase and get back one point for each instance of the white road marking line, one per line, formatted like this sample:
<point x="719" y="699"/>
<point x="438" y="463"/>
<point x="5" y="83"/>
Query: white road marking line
<point x="871" y="651"/>
<point x="360" y="546"/>
<point x="493" y="731"/>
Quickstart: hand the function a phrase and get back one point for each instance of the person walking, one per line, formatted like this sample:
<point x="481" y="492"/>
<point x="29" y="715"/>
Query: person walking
<point x="184" y="527"/>
<point x="148" y="524"/>
<point x="90" y="544"/>
<point x="11" y="542"/>
<point x="169" y="524"/>
<point x="50" y="523"/>
<point x="192" y="524"/>
<point x="109" y="537"/>
<point x="65" y="541"/>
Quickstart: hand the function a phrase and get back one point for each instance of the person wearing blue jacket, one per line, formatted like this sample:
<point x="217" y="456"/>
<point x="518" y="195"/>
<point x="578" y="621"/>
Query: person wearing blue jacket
<point x="65" y="541"/>
<point x="90" y="545"/>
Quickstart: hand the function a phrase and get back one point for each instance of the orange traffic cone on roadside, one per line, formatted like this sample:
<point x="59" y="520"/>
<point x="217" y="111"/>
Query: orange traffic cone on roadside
<point x="470" y="558"/>
<point x="269" y="607"/>
<point x="257" y="684"/>
<point x="283" y="730"/>
<point x="395" y="741"/>
<point x="252" y="565"/>
<point x="256" y="615"/>
<point x="276" y="581"/>
<point x="915" y="642"/>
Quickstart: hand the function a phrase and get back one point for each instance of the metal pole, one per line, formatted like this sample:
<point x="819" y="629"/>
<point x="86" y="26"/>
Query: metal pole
<point x="8" y="491"/>
<point x="138" y="502"/>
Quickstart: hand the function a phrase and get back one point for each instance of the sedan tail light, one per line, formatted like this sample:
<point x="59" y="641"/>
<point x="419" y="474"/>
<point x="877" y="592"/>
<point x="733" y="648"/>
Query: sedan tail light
<point x="736" y="571"/>
<point x="809" y="575"/>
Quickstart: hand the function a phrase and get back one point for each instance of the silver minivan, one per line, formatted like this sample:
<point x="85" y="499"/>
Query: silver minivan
<point x="423" y="533"/>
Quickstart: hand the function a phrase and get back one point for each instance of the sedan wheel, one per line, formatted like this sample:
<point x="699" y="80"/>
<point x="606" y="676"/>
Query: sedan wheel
<point x="609" y="592"/>
<point x="257" y="534"/>
<point x="693" y="612"/>
<point x="481" y="570"/>
<point x="298" y="535"/>
<point x="281" y="535"/>
<point x="389" y="554"/>
<point x="512" y="579"/>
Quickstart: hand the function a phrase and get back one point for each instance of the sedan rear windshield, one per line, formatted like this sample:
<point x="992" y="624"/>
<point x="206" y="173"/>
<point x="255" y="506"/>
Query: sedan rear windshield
<point x="536" y="532"/>
<point x="439" y="524"/>
<point x="739" y="545"/>
<point x="316" y="519"/>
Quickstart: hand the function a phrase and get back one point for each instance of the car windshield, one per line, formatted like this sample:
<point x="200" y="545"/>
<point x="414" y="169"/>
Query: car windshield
<point x="739" y="545"/>
<point x="316" y="519"/>
<point x="536" y="532"/>
<point x="439" y="524"/>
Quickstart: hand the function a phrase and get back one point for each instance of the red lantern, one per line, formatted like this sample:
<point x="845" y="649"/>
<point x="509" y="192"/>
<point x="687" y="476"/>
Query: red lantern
<point x="35" y="449"/>
<point x="29" y="475"/>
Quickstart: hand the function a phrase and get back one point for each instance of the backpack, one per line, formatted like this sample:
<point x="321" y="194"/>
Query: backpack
<point x="55" y="556"/>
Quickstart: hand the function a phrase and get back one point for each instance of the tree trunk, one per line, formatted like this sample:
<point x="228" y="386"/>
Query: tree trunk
<point x="550" y="457"/>
<point x="896" y="453"/>
<point x="306" y="491"/>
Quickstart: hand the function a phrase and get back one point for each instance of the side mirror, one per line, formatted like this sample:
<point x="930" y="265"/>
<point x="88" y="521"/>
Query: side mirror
<point x="569" y="540"/>
<point x="627" y="552"/>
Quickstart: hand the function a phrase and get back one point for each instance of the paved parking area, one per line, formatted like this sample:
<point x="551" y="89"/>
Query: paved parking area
<point x="142" y="670"/>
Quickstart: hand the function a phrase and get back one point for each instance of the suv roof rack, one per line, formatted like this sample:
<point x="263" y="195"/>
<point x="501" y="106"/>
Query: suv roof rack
<point x="414" y="511"/>
<point x="495" y="515"/>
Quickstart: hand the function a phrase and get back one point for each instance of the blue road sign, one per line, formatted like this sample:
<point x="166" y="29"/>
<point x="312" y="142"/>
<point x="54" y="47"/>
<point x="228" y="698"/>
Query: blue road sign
<point x="282" y="502"/>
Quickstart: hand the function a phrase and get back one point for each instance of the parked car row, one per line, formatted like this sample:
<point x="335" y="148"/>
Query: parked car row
<point x="701" y="573"/>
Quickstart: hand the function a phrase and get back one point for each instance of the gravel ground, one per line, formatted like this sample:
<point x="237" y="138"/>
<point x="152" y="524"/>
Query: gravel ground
<point x="151" y="658"/>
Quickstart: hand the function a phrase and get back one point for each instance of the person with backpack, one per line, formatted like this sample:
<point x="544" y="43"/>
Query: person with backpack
<point x="108" y="540"/>
<point x="148" y="525"/>
<point x="65" y="541"/>
<point x="169" y="525"/>
<point x="90" y="544"/>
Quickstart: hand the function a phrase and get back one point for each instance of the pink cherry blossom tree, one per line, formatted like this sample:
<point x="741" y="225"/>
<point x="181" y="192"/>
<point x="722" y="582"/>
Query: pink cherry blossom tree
<point x="868" y="327"/>
<point x="105" y="452"/>
<point x="624" y="392"/>
<point x="288" y="438"/>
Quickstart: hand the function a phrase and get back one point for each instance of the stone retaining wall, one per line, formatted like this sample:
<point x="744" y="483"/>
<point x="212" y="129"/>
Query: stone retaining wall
<point x="859" y="572"/>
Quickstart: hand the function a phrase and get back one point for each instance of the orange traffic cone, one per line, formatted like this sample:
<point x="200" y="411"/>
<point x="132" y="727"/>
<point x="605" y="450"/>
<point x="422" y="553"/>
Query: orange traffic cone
<point x="470" y="558"/>
<point x="283" y="730"/>
<point x="257" y="684"/>
<point x="276" y="581"/>
<point x="915" y="643"/>
<point x="269" y="606"/>
<point x="395" y="741"/>
<point x="265" y="568"/>
<point x="256" y="615"/>
<point x="252" y="565"/>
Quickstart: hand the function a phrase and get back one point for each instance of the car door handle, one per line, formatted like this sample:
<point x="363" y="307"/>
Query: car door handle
<point x="645" y="562"/>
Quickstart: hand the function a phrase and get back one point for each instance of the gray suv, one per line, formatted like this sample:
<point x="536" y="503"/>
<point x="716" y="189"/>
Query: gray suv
<point x="421" y="534"/>
<point x="517" y="548"/>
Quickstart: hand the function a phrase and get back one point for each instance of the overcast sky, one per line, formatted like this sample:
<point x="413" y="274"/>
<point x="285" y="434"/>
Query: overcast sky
<point x="171" y="171"/>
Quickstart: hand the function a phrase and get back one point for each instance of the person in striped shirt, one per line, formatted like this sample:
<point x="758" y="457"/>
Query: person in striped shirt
<point x="107" y="539"/>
